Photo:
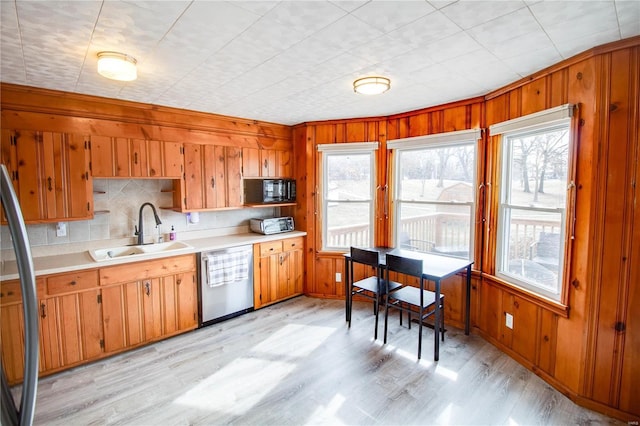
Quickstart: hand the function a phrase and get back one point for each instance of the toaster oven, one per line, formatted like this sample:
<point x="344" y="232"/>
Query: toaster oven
<point x="273" y="225"/>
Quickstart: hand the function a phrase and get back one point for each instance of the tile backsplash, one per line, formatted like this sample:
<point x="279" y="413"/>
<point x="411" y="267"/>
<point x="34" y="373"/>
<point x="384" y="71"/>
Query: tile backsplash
<point x="116" y="205"/>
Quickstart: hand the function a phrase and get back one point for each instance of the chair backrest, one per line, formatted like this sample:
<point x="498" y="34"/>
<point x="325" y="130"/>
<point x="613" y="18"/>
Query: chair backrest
<point x="404" y="265"/>
<point x="366" y="257"/>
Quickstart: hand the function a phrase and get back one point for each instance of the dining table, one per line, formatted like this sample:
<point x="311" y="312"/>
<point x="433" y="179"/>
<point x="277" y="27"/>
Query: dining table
<point x="435" y="267"/>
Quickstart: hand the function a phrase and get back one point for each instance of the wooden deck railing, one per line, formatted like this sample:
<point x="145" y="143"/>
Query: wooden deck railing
<point x="444" y="232"/>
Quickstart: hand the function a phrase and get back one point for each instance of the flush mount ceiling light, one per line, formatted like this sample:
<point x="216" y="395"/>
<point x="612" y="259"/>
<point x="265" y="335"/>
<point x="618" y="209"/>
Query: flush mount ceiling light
<point x="117" y="66"/>
<point x="371" y="85"/>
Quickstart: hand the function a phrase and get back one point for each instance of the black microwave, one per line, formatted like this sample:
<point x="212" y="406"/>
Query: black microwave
<point x="265" y="191"/>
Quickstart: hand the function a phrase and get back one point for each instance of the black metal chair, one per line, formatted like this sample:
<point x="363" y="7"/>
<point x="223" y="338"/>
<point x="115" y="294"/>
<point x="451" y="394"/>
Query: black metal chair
<point x="372" y="287"/>
<point x="408" y="298"/>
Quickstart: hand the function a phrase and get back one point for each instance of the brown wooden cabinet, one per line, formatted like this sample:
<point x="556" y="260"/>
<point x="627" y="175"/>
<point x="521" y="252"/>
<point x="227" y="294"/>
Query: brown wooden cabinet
<point x="11" y="330"/>
<point x="135" y="158"/>
<point x="50" y="173"/>
<point x="70" y="320"/>
<point x="147" y="301"/>
<point x="70" y="323"/>
<point x="266" y="163"/>
<point x="212" y="178"/>
<point x="278" y="270"/>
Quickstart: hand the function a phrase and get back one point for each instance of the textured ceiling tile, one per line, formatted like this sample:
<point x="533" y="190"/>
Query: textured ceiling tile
<point x="451" y="47"/>
<point x="388" y="16"/>
<point x="468" y="14"/>
<point x="381" y="49"/>
<point x="349" y="5"/>
<point x="565" y="21"/>
<point x="492" y="34"/>
<point x="258" y="7"/>
<point x="305" y="17"/>
<point x="426" y="30"/>
<point x="347" y="33"/>
<point x="529" y="43"/>
<point x="526" y="63"/>
<point x="628" y="17"/>
<point x="574" y="46"/>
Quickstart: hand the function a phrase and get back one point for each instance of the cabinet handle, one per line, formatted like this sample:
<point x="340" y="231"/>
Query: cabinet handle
<point x="147" y="288"/>
<point x="49" y="182"/>
<point x="213" y="183"/>
<point x="135" y="158"/>
<point x="179" y="281"/>
<point x="281" y="260"/>
<point x="43" y="313"/>
<point x="266" y="164"/>
<point x="73" y="282"/>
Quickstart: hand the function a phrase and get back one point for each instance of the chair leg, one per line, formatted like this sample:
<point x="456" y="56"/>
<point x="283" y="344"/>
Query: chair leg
<point x="375" y="331"/>
<point x="442" y="319"/>
<point x="419" y="334"/>
<point x="386" y="317"/>
<point x="349" y="306"/>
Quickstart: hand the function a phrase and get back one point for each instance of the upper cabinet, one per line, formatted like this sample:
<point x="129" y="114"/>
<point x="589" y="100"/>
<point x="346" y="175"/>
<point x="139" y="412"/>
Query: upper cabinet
<point x="212" y="178"/>
<point x="266" y="163"/>
<point x="135" y="158"/>
<point x="50" y="173"/>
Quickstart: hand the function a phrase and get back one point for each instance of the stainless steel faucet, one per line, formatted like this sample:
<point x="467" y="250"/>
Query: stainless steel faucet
<point x="140" y="228"/>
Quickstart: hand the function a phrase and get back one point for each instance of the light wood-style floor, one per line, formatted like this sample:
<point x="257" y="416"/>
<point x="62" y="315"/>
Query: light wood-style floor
<point x="298" y="363"/>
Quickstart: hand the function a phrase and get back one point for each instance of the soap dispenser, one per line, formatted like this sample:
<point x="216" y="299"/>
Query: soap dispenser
<point x="172" y="234"/>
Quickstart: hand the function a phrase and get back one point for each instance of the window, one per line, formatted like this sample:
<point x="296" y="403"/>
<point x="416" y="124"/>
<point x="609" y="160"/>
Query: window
<point x="533" y="202"/>
<point x="435" y="193"/>
<point x="348" y="185"/>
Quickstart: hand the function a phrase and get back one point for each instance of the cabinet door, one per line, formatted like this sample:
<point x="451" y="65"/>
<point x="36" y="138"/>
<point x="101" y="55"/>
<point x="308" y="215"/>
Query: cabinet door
<point x="152" y="315"/>
<point x="268" y="277"/>
<point x="234" y="176"/>
<point x="179" y="303"/>
<point x="122" y="157"/>
<point x="193" y="176"/>
<point x="52" y="179"/>
<point x="78" y="180"/>
<point x="172" y="160"/>
<point x="251" y="162"/>
<point x="139" y="165"/>
<point x="12" y="341"/>
<point x="122" y="316"/>
<point x="214" y="185"/>
<point x="28" y="174"/>
<point x="155" y="158"/>
<point x="283" y="164"/>
<point x="268" y="163"/>
<point x="102" y="160"/>
<point x="186" y="300"/>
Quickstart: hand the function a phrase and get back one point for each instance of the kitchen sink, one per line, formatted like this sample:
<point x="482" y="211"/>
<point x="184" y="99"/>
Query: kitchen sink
<point x="146" y="250"/>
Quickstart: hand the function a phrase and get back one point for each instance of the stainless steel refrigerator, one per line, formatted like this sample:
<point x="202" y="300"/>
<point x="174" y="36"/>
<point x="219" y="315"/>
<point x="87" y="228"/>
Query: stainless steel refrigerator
<point x="11" y="413"/>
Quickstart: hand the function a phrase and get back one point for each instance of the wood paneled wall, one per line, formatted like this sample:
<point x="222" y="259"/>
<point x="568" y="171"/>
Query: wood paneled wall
<point x="29" y="108"/>
<point x="589" y="348"/>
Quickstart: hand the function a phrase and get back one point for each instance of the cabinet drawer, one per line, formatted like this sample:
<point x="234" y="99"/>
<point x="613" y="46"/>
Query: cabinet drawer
<point x="270" y="248"/>
<point x="75" y="281"/>
<point x="296" y="243"/>
<point x="10" y="292"/>
<point x="138" y="271"/>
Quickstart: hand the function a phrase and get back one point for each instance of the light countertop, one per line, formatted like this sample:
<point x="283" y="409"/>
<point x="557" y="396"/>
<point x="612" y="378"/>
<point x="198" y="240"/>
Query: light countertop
<point x="82" y="260"/>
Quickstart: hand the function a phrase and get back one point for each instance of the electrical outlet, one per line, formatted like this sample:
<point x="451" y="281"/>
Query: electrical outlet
<point x="509" y="320"/>
<point x="61" y="229"/>
<point x="338" y="277"/>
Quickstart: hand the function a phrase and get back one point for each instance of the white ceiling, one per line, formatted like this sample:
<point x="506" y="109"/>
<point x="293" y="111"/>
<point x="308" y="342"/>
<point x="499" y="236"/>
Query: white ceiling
<point x="294" y="61"/>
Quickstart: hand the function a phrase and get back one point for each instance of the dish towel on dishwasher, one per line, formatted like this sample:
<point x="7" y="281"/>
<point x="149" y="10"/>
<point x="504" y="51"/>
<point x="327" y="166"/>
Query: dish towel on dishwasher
<point x="226" y="268"/>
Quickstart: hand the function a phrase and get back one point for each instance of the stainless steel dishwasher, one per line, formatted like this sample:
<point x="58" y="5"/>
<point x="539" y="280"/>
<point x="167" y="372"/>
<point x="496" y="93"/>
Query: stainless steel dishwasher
<point x="226" y="284"/>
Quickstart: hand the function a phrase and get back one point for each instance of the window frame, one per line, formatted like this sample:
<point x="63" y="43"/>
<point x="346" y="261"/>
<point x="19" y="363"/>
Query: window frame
<point x="340" y="149"/>
<point x="434" y="141"/>
<point x="554" y="118"/>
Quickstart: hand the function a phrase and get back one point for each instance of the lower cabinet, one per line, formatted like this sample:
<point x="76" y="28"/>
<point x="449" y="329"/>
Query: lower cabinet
<point x="278" y="270"/>
<point x="147" y="301"/>
<point x="85" y="315"/>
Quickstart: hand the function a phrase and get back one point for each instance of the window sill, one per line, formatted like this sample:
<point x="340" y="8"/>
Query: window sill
<point x="545" y="303"/>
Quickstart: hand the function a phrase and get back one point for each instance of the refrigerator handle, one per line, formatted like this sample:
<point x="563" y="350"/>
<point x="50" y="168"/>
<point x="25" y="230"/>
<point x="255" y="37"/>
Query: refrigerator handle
<point x="24" y="261"/>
